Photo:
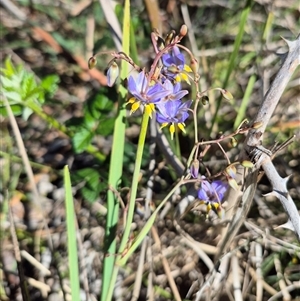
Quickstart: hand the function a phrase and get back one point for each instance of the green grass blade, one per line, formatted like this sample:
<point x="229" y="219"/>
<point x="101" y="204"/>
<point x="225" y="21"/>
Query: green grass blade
<point x="130" y="212"/>
<point x="121" y="260"/>
<point x="116" y="168"/>
<point x="135" y="180"/>
<point x="268" y="26"/>
<point x="242" y="109"/>
<point x="234" y="54"/>
<point x="71" y="233"/>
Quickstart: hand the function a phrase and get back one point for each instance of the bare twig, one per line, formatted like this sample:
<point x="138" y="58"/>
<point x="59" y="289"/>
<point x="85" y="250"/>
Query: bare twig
<point x="281" y="282"/>
<point x="253" y="140"/>
<point x="23" y="283"/>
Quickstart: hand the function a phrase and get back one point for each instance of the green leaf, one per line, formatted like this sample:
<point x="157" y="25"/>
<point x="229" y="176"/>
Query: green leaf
<point x="28" y="87"/>
<point x="89" y="121"/>
<point x="9" y="68"/>
<point x="16" y="109"/>
<point x="99" y="105"/>
<point x="93" y="185"/>
<point x="13" y="97"/>
<point x="49" y="84"/>
<point x="6" y="82"/>
<point x="81" y="139"/>
<point x="26" y="113"/>
<point x="106" y="126"/>
<point x="74" y="123"/>
<point x="71" y="235"/>
<point x="96" y="113"/>
<point x="36" y="94"/>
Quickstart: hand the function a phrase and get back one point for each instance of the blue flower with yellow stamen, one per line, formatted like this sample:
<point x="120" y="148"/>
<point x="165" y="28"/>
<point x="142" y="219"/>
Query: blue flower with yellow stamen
<point x="212" y="193"/>
<point x="174" y="65"/>
<point x="173" y="112"/>
<point x="145" y="94"/>
<point x="174" y="91"/>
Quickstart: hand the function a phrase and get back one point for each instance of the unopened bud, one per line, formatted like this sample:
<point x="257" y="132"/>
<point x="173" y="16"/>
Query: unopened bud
<point x="194" y="66"/>
<point x="257" y="125"/>
<point x="183" y="30"/>
<point x="92" y="62"/>
<point x="247" y="163"/>
<point x="233" y="142"/>
<point x="195" y="169"/>
<point x="226" y="94"/>
<point x="170" y="37"/>
<point x="112" y="74"/>
<point x="231" y="171"/>
<point x="160" y="43"/>
<point x="205" y="100"/>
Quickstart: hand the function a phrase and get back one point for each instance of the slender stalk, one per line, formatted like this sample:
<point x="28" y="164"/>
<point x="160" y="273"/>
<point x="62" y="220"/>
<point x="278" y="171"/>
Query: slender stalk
<point x="109" y="274"/>
<point x="71" y="234"/>
<point x="131" y="206"/>
<point x="122" y="258"/>
<point x="134" y="185"/>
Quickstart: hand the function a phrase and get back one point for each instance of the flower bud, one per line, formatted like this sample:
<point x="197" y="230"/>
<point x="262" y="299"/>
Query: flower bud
<point x="194" y="66"/>
<point x="226" y="94"/>
<point x="194" y="169"/>
<point x="231" y="171"/>
<point x="183" y="30"/>
<point x="112" y="74"/>
<point x="160" y="43"/>
<point x="257" y="125"/>
<point x="247" y="163"/>
<point x="92" y="62"/>
<point x="170" y="37"/>
<point x="205" y="100"/>
<point x="233" y="142"/>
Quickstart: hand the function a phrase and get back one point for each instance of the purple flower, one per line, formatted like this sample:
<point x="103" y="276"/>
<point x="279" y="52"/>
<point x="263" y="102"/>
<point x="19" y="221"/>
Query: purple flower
<point x="145" y="94"/>
<point x="174" y="91"/>
<point x="173" y="112"/>
<point x="212" y="193"/>
<point x="174" y="63"/>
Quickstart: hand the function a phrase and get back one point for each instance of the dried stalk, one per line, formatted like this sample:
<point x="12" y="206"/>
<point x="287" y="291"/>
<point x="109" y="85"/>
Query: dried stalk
<point x="252" y="147"/>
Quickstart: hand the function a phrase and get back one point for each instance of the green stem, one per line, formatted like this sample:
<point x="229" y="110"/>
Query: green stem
<point x="131" y="206"/>
<point x="121" y="260"/>
<point x="53" y="122"/>
<point x="115" y="175"/>
<point x="110" y="272"/>
<point x="134" y="185"/>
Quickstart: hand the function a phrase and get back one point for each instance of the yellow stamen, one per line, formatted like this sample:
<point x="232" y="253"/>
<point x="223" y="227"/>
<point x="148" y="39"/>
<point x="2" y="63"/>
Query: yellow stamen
<point x="134" y="107"/>
<point x="131" y="100"/>
<point x="181" y="127"/>
<point x="185" y="78"/>
<point x="187" y="68"/>
<point x="163" y="125"/>
<point x="149" y="108"/>
<point x="177" y="78"/>
<point x="216" y="205"/>
<point x="172" y="130"/>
